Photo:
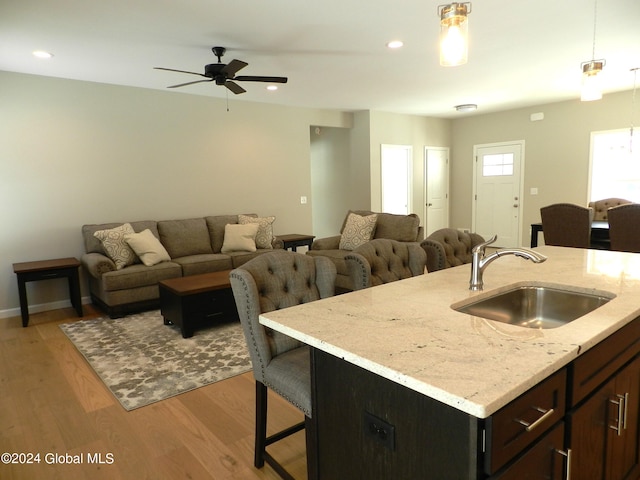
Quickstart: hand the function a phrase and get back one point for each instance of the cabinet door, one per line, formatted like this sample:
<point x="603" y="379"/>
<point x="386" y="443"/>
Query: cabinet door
<point x="623" y="439"/>
<point x="540" y="462"/>
<point x="588" y="431"/>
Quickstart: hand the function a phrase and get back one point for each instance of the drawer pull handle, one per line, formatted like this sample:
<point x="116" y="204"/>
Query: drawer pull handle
<point x="621" y="422"/>
<point x="545" y="414"/>
<point x="568" y="455"/>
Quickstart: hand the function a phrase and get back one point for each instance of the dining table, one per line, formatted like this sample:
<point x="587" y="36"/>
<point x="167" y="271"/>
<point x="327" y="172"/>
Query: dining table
<point x="599" y="234"/>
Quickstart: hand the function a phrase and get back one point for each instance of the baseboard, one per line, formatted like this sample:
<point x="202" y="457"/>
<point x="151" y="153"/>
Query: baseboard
<point x="42" y="307"/>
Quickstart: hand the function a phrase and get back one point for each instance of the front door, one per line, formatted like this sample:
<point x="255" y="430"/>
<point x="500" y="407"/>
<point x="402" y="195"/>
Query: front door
<point x="497" y="197"/>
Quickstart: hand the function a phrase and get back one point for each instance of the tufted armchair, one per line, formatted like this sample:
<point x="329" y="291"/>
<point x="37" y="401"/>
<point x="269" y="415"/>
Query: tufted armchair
<point x="600" y="207"/>
<point x="449" y="247"/>
<point x="273" y="281"/>
<point x="382" y="261"/>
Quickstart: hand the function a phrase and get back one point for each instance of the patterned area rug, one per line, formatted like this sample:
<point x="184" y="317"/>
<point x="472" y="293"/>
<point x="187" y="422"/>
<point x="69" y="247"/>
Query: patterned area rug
<point x="143" y="361"/>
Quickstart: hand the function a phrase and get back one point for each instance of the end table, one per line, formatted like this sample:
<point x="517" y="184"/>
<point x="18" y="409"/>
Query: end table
<point x="45" y="270"/>
<point x="295" y="240"/>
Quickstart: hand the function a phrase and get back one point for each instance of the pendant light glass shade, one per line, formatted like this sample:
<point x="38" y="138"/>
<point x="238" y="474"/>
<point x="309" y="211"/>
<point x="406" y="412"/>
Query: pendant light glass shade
<point x="591" y="84"/>
<point x="454" y="26"/>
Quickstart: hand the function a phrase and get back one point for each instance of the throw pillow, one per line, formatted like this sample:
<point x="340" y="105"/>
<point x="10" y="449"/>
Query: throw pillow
<point x="147" y="247"/>
<point x="115" y="245"/>
<point x="264" y="237"/>
<point x="239" y="238"/>
<point x="357" y="231"/>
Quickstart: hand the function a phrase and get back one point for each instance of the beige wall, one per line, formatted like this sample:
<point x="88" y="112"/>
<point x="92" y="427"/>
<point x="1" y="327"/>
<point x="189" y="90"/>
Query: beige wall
<point x="77" y="152"/>
<point x="556" y="151"/>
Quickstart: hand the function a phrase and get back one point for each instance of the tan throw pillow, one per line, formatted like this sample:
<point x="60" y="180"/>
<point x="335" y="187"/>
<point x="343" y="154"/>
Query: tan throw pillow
<point x="357" y="231"/>
<point x="147" y="247"/>
<point x="264" y="237"/>
<point x="115" y="245"/>
<point x="239" y="238"/>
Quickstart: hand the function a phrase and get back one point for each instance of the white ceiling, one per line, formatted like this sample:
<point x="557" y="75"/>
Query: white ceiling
<point x="522" y="52"/>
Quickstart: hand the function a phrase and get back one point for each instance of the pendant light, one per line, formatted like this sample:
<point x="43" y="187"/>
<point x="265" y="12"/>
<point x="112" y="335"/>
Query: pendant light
<point x="454" y="27"/>
<point x="591" y="85"/>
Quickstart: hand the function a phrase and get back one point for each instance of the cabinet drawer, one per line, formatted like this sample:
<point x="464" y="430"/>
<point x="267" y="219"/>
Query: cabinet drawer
<point x="515" y="426"/>
<point x="599" y="363"/>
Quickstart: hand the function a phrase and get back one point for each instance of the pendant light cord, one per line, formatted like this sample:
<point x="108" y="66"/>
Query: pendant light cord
<point x="595" y="17"/>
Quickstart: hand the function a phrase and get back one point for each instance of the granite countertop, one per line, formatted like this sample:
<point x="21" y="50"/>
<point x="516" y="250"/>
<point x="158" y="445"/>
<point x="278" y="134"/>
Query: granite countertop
<point x="407" y="332"/>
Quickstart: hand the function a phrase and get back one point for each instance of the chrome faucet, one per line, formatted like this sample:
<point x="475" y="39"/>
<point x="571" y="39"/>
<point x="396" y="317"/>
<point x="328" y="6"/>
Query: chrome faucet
<point x="479" y="262"/>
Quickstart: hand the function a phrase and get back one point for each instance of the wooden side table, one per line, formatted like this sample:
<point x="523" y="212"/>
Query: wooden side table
<point x="295" y="240"/>
<point x="45" y="270"/>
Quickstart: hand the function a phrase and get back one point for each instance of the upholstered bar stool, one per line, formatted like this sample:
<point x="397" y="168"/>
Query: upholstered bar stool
<point x="624" y="227"/>
<point x="273" y="281"/>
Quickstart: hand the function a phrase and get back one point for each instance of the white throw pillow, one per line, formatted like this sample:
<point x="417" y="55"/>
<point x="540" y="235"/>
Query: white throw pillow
<point x="239" y="238"/>
<point x="264" y="237"/>
<point x="357" y="231"/>
<point x="147" y="247"/>
<point x="115" y="245"/>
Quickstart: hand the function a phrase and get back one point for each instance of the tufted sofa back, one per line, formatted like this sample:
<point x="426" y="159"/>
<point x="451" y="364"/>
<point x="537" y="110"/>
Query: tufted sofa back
<point x="449" y="247"/>
<point x="383" y="261"/>
<point x="600" y="207"/>
<point x="273" y="281"/>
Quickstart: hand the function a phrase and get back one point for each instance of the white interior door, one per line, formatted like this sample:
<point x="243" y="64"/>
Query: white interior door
<point x="436" y="212"/>
<point x="395" y="170"/>
<point x="497" y="197"/>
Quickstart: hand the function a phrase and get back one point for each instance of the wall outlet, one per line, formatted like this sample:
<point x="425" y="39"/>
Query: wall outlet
<point x="303" y="200"/>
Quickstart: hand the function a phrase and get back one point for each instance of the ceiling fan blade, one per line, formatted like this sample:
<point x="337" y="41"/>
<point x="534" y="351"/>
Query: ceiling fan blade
<point x="234" y="87"/>
<point x="250" y="78"/>
<point x="233" y="66"/>
<point x="190" y="83"/>
<point x="179" y="71"/>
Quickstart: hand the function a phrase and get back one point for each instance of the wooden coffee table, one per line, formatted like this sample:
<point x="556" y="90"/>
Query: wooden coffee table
<point x="197" y="299"/>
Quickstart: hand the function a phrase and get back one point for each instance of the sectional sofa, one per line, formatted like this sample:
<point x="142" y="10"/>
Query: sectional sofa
<point x="170" y="249"/>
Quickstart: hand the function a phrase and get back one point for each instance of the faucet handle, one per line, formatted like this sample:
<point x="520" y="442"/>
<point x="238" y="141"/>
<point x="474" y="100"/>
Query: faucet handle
<point x="481" y="246"/>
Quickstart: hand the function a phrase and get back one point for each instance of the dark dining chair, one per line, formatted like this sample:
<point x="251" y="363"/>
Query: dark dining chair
<point x="272" y="281"/>
<point x="567" y="225"/>
<point x="624" y="227"/>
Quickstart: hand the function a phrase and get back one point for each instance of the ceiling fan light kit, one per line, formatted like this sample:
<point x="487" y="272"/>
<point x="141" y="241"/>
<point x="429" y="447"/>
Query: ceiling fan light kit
<point x="454" y="30"/>
<point x="225" y="74"/>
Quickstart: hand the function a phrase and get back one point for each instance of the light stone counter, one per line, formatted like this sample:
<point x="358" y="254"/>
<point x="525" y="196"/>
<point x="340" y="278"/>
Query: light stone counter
<point x="406" y="331"/>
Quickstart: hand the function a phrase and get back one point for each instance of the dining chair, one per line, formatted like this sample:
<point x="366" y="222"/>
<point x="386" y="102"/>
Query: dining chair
<point x="273" y="281"/>
<point x="624" y="227"/>
<point x="382" y="261"/>
<point x="567" y="225"/>
<point x="601" y="207"/>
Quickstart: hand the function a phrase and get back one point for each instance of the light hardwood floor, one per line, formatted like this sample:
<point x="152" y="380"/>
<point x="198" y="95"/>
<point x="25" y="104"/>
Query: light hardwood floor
<point x="52" y="402"/>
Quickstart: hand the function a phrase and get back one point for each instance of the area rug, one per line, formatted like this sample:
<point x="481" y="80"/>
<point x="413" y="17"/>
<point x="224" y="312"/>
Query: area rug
<point x="143" y="361"/>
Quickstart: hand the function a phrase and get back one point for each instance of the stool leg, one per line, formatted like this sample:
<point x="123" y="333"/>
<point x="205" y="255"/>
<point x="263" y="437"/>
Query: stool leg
<point x="261" y="424"/>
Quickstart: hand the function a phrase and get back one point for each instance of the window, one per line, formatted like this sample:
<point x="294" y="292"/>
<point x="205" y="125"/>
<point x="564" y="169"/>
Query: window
<point x="615" y="165"/>
<point x="498" y="164"/>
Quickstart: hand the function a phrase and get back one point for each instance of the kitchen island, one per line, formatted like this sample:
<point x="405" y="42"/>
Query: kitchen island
<point x="404" y="383"/>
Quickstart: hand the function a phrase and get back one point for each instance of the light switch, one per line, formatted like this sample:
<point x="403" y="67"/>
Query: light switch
<point x="303" y="200"/>
<point x="533" y="191"/>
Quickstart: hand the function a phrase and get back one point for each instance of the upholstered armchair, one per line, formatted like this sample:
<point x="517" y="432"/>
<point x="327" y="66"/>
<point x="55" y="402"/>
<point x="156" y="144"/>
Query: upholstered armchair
<point x="382" y="261"/>
<point x="449" y="247"/>
<point x="601" y="207"/>
<point x="273" y="281"/>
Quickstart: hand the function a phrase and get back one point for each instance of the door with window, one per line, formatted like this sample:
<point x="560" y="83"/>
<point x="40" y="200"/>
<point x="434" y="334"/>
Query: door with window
<point x="497" y="201"/>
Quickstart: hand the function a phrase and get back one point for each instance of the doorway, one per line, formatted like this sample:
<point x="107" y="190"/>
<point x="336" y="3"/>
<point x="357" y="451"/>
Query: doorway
<point x="395" y="172"/>
<point x="436" y="184"/>
<point x="497" y="200"/>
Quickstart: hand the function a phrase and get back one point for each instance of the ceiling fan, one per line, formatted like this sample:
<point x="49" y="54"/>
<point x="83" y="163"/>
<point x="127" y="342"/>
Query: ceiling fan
<point x="225" y="74"/>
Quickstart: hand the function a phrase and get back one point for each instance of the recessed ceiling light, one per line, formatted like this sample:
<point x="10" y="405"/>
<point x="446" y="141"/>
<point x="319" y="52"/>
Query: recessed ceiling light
<point x="466" y="107"/>
<point x="395" y="44"/>
<point x="42" y="54"/>
<point x="272" y="88"/>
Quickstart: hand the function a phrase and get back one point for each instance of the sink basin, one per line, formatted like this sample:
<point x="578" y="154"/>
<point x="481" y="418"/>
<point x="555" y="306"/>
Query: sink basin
<point x="535" y="306"/>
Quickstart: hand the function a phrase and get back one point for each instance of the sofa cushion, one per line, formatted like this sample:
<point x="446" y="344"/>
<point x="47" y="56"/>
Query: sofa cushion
<point x="205" y="263"/>
<point x="185" y="237"/>
<point x="147" y="247"/>
<point x="336" y="256"/>
<point x="115" y="245"/>
<point x="139" y="275"/>
<point x="403" y="228"/>
<point x="240" y="238"/>
<point x="357" y="231"/>
<point x="264" y="237"/>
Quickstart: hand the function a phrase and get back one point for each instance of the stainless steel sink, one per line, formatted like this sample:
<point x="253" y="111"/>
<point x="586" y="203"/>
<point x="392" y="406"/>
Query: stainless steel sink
<point x="535" y="306"/>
